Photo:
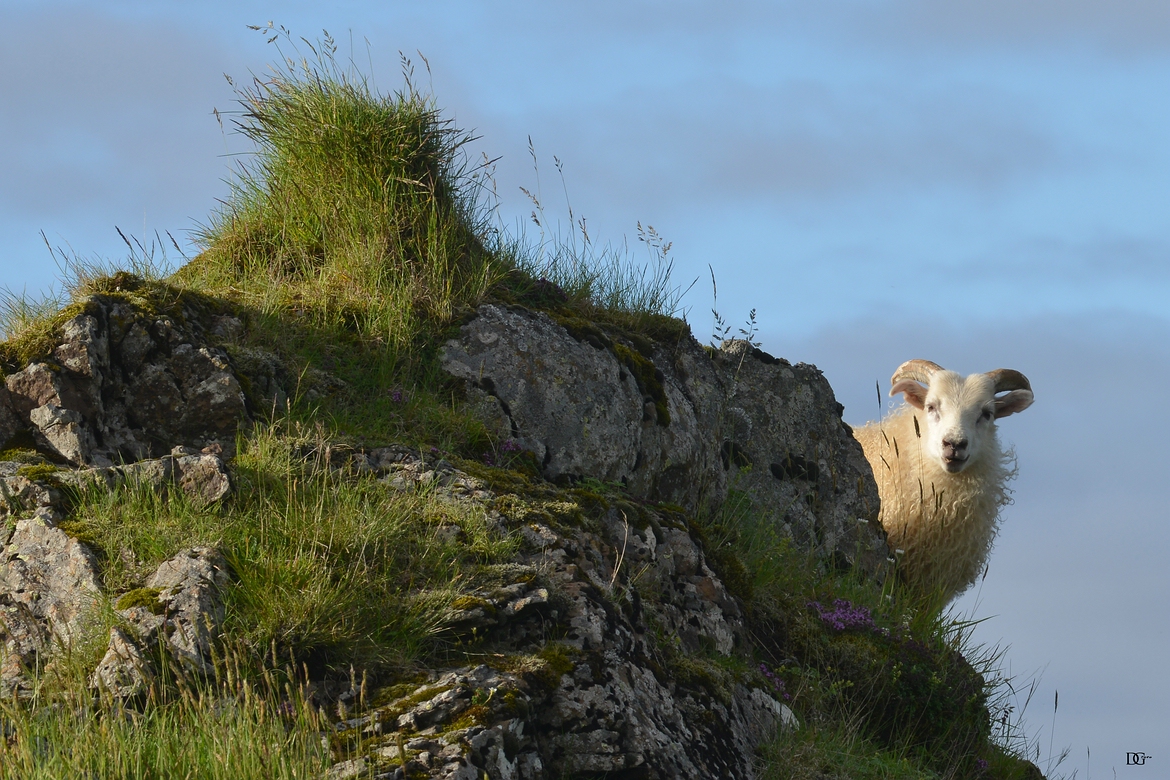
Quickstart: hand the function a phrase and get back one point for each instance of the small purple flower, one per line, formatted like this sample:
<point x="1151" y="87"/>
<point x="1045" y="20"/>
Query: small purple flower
<point x="844" y="615"/>
<point x="981" y="764"/>
<point x="777" y="682"/>
<point x="510" y="445"/>
<point x="398" y="395"/>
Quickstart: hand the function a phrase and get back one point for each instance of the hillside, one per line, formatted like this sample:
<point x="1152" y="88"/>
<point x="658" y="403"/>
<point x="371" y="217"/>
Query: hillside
<point x="369" y="489"/>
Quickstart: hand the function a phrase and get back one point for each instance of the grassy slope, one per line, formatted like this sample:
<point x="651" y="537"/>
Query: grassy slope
<point x="353" y="243"/>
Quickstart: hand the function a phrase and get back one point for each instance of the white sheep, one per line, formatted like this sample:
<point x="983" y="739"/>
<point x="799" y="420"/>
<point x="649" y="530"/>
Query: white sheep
<point x="941" y="473"/>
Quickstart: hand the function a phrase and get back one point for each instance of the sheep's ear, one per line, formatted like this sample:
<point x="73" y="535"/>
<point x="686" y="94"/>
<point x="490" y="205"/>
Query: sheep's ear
<point x="915" y="393"/>
<point x="1015" y="401"/>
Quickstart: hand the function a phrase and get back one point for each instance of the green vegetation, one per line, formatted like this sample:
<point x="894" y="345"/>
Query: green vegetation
<point x="351" y="247"/>
<point x="233" y="729"/>
<point x="885" y="685"/>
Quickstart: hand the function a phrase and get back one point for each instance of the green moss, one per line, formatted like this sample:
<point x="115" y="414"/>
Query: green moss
<point x="558" y="660"/>
<point x="465" y="603"/>
<point x="585" y="331"/>
<point x="142" y="597"/>
<point x="38" y="471"/>
<point x="22" y="449"/>
<point x="82" y="531"/>
<point x="648" y="377"/>
<point x="695" y="672"/>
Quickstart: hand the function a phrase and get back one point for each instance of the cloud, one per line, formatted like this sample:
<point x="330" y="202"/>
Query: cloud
<point x="1118" y="28"/>
<point x="107" y="114"/>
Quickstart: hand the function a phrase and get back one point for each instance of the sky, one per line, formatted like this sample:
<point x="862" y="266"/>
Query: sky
<point x="982" y="184"/>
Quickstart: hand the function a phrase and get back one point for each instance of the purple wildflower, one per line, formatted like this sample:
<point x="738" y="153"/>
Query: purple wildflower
<point x="844" y="615"/>
<point x="398" y="395"/>
<point x="510" y="445"/>
<point x="981" y="764"/>
<point x="776" y="681"/>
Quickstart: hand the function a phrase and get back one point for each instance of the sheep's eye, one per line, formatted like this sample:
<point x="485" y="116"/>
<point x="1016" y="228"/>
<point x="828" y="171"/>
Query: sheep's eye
<point x="931" y="408"/>
<point x="986" y="414"/>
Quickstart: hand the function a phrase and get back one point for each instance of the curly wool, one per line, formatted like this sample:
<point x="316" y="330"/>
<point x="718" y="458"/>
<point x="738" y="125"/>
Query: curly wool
<point x="943" y="523"/>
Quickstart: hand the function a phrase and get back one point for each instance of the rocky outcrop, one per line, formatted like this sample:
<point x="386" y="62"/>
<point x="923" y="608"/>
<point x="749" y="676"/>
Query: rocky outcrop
<point x="48" y="583"/>
<point x="608" y="696"/>
<point x="608" y="639"/>
<point x="180" y="607"/>
<point x="122" y="384"/>
<point x="49" y="580"/>
<point x="674" y="422"/>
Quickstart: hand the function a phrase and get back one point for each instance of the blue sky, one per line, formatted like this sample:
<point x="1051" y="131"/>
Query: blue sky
<point x="982" y="184"/>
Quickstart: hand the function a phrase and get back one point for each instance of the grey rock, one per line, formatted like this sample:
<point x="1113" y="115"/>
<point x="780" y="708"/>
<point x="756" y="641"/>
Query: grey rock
<point x="347" y="769"/>
<point x="53" y="574"/>
<point x="734" y="417"/>
<point x="124" y="672"/>
<point x="23" y="497"/>
<point x="48" y="584"/>
<point x="121" y="385"/>
<point x="35" y="385"/>
<point x="9" y="423"/>
<point x="63" y="432"/>
<point x="191" y="587"/>
<point x="204" y="478"/>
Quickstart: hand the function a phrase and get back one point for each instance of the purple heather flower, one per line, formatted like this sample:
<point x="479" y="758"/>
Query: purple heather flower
<point x="844" y="615"/>
<point x="510" y="445"/>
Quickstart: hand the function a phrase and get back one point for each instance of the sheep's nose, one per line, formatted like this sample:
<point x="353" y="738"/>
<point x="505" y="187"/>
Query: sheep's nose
<point x="956" y="446"/>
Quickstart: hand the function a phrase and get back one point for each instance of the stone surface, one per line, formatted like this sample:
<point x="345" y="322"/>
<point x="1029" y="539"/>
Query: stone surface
<point x="675" y="423"/>
<point x="48" y="583"/>
<point x="190" y="589"/>
<point x="187" y="619"/>
<point x="122" y="385"/>
<point x="124" y="672"/>
<point x="9" y="424"/>
<point x="605" y="697"/>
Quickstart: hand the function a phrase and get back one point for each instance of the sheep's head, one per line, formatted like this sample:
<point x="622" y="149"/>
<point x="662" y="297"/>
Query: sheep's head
<point x="960" y="413"/>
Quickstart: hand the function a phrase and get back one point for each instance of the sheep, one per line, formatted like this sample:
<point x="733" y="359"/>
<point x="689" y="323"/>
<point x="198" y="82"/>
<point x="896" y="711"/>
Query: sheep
<point x="942" y="475"/>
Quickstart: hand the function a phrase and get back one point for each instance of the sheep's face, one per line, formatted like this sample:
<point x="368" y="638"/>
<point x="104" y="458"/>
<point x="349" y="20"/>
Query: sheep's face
<point x="959" y="415"/>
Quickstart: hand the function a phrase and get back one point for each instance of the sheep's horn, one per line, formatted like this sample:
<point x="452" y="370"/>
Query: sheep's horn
<point x="918" y="370"/>
<point x="1009" y="379"/>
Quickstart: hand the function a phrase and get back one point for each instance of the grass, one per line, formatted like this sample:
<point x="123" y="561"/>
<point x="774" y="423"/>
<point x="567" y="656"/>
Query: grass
<point x="352" y="245"/>
<point x="327" y="564"/>
<point x="886" y="685"/>
<point x="233" y="728"/>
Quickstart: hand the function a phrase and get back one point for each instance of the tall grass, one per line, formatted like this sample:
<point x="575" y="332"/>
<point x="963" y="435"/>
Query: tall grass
<point x="602" y="277"/>
<point x="901" y="691"/>
<point x="356" y="209"/>
<point x="328" y="564"/>
<point x="232" y="728"/>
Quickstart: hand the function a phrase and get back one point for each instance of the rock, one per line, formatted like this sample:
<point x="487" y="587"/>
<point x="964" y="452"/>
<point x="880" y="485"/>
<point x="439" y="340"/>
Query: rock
<point x="61" y="430"/>
<point x="35" y="385"/>
<point x="124" y="672"/>
<point x="190" y="589"/>
<point x="204" y="478"/>
<point x="9" y="424"/>
<point x="122" y="385"/>
<point x="675" y="424"/>
<point x="48" y="583"/>
<point x="579" y="406"/>
<point x="347" y="769"/>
